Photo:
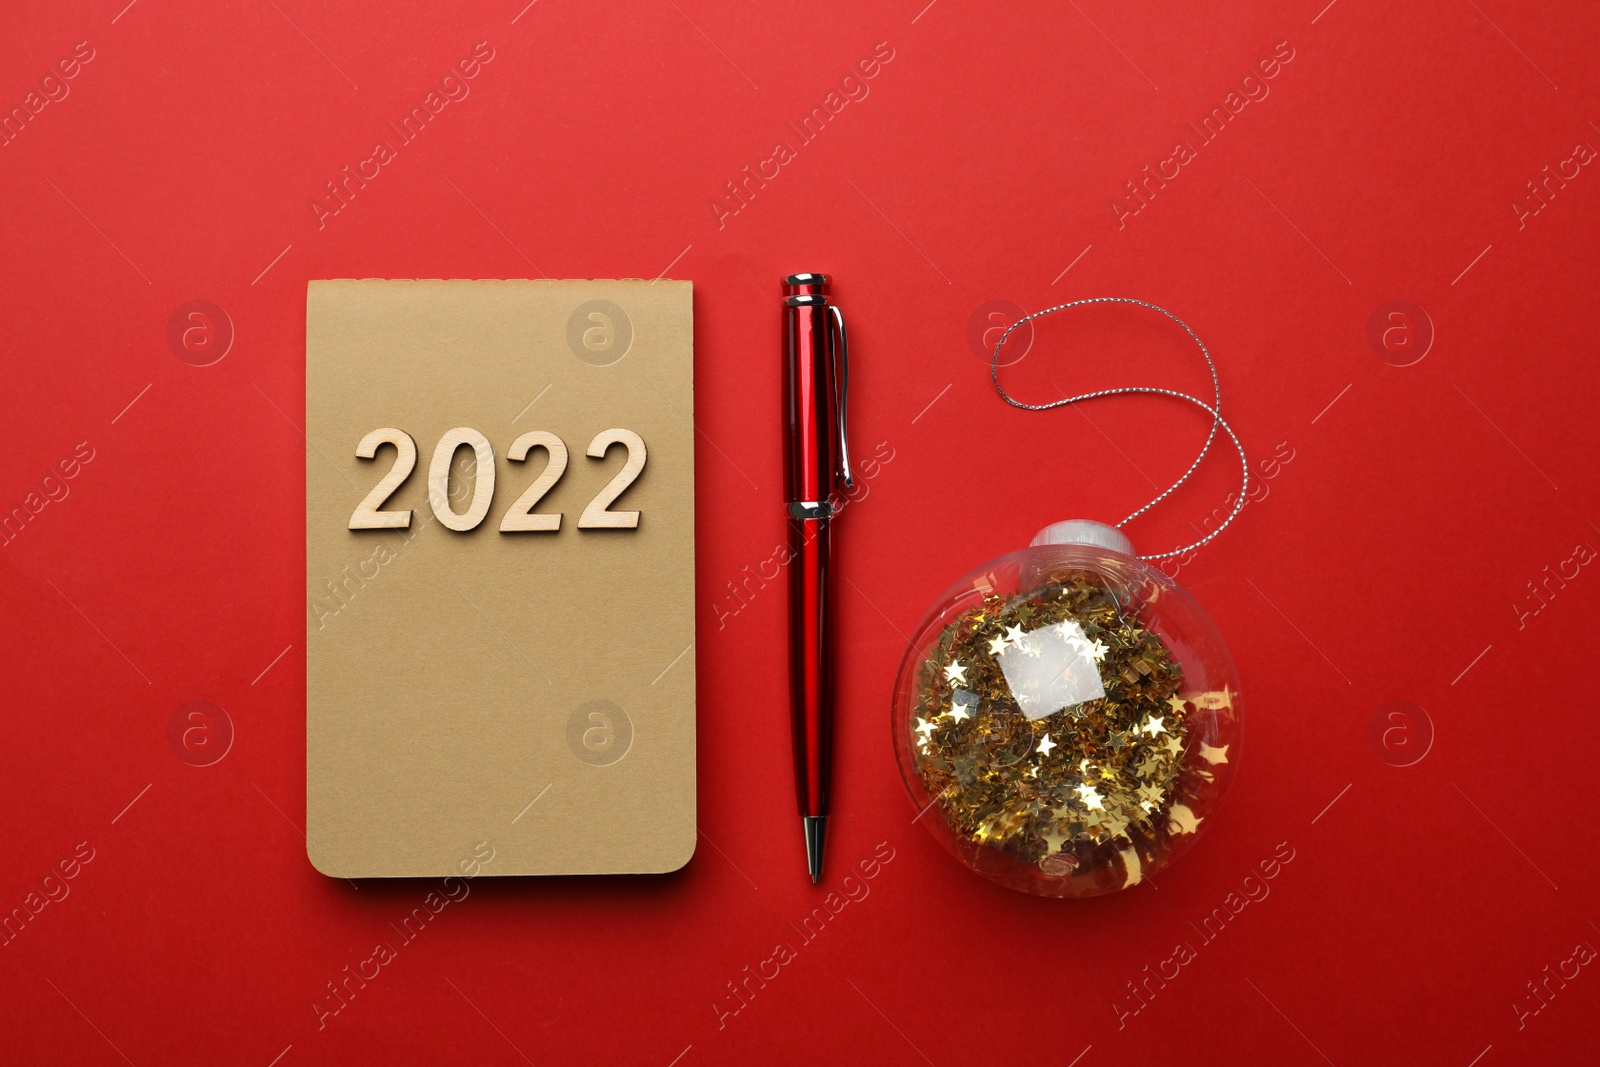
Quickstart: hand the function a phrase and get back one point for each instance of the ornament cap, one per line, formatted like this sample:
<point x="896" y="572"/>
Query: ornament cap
<point x="1084" y="532"/>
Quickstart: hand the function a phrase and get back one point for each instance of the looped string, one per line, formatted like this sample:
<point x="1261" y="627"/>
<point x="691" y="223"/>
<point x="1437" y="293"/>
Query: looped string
<point x="1214" y="409"/>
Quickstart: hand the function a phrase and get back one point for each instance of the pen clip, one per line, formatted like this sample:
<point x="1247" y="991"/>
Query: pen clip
<point x="841" y="389"/>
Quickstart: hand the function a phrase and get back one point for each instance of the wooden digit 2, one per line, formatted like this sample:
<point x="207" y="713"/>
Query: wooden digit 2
<point x="520" y="516"/>
<point x="595" y="516"/>
<point x="367" y="515"/>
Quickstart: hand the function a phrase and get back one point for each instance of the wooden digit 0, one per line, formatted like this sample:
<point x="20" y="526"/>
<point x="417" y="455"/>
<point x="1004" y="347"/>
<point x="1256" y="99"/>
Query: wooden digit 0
<point x="482" y="485"/>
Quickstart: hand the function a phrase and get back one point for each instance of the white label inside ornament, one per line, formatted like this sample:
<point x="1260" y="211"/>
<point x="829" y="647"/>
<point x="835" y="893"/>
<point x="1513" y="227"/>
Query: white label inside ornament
<point x="1051" y="668"/>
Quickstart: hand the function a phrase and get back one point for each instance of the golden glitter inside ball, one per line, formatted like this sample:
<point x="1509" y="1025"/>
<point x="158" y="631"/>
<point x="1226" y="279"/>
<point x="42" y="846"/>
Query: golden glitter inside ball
<point x="1066" y="719"/>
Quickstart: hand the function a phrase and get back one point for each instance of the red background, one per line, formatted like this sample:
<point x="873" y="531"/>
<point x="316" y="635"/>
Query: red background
<point x="1384" y="563"/>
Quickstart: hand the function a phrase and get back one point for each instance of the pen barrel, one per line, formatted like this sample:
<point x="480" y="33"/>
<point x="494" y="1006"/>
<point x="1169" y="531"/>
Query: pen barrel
<point x="811" y="660"/>
<point x="810" y="455"/>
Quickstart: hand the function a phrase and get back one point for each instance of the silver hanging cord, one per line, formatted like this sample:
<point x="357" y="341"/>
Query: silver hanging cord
<point x="1214" y="409"/>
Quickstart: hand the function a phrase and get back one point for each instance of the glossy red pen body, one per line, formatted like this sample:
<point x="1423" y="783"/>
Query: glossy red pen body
<point x="816" y="466"/>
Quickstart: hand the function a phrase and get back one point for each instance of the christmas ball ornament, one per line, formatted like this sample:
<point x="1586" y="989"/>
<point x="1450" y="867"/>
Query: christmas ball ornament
<point x="1066" y="717"/>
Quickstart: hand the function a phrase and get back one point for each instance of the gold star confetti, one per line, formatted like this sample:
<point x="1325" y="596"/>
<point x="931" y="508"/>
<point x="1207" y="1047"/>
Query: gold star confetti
<point x="1122" y="785"/>
<point x="1184" y="821"/>
<point x="1130" y="863"/>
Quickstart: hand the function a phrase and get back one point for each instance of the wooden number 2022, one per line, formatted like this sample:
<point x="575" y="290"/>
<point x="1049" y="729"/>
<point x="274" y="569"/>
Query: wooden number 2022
<point x="520" y="517"/>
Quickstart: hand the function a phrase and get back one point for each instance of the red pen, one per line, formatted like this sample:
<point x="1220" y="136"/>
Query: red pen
<point x="816" y="464"/>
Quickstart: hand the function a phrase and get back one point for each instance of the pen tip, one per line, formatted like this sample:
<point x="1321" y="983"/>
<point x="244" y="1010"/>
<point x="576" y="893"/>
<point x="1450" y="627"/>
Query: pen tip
<point x="816" y="828"/>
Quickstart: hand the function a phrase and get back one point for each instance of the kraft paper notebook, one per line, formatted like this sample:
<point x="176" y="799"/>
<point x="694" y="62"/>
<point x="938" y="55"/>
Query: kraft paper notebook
<point x="499" y="577"/>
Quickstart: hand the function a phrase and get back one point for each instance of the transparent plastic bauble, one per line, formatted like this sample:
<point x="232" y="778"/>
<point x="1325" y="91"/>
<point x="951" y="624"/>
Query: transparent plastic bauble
<point x="1067" y="717"/>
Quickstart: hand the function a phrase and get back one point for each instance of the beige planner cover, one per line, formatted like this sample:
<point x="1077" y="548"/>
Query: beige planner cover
<point x="532" y="688"/>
